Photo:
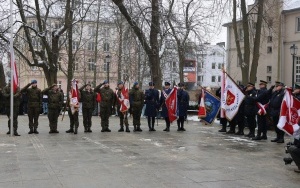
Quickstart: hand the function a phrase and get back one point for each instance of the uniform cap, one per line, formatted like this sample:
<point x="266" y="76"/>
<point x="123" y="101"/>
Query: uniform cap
<point x="151" y="84"/>
<point x="135" y="83"/>
<point x="277" y="83"/>
<point x="250" y="84"/>
<point x="262" y="82"/>
<point x="105" y="82"/>
<point x="120" y="82"/>
<point x="167" y="84"/>
<point x="33" y="81"/>
<point x="180" y="84"/>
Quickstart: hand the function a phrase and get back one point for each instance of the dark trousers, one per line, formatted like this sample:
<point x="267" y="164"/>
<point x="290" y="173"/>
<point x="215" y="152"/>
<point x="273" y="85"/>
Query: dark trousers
<point x="136" y="114"/>
<point x="295" y="154"/>
<point x="180" y="121"/>
<point x="123" y="118"/>
<point x="105" y="112"/>
<point x="53" y="114"/>
<point x="74" y="121"/>
<point x="167" y="120"/>
<point x="15" y="117"/>
<point x="262" y="125"/>
<point x="251" y="123"/>
<point x="33" y="116"/>
<point x="279" y="133"/>
<point x="151" y="122"/>
<point x="223" y="122"/>
<point x="87" y="117"/>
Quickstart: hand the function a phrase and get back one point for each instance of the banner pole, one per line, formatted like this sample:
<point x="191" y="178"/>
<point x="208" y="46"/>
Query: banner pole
<point x="11" y="70"/>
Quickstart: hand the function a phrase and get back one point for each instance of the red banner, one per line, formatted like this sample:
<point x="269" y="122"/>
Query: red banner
<point x="123" y="99"/>
<point x="171" y="104"/>
<point x="74" y="95"/>
<point x="202" y="110"/>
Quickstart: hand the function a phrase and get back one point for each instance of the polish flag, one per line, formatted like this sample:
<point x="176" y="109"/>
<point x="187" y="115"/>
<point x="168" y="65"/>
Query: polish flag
<point x="262" y="108"/>
<point x="171" y="104"/>
<point x="123" y="99"/>
<point x="289" y="115"/>
<point x="202" y="110"/>
<point x="74" y="95"/>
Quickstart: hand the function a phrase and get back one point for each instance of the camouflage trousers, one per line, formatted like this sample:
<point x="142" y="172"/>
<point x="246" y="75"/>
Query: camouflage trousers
<point x="33" y="116"/>
<point x="15" y="117"/>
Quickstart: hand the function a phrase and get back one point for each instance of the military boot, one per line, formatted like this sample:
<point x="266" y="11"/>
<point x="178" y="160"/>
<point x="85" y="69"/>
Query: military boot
<point x="35" y="130"/>
<point x="182" y="128"/>
<point x="16" y="133"/>
<point x="127" y="129"/>
<point x="89" y="130"/>
<point x="264" y="137"/>
<point x="139" y="128"/>
<point x="153" y="127"/>
<point x="258" y="136"/>
<point x="8" y="132"/>
<point x="134" y="128"/>
<point x="71" y="130"/>
<point x="85" y="129"/>
<point x="178" y="125"/>
<point x="121" y="128"/>
<point x="75" y="132"/>
<point x="30" y="131"/>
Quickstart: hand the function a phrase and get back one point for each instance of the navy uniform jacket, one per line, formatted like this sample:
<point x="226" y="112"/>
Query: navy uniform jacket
<point x="250" y="105"/>
<point x="261" y="93"/>
<point x="183" y="99"/>
<point x="152" y="102"/>
<point x="164" y="110"/>
<point x="275" y="102"/>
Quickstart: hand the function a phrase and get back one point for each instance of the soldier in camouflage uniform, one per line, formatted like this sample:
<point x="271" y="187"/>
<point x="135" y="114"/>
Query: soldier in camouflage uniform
<point x="55" y="102"/>
<point x="17" y="99"/>
<point x="73" y="115"/>
<point x="122" y="115"/>
<point x="88" y="99"/>
<point x="35" y="98"/>
<point x="107" y="101"/>
<point x="136" y="98"/>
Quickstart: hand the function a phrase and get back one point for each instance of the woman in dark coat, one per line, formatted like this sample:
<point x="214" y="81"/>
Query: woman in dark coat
<point x="183" y="99"/>
<point x="152" y="105"/>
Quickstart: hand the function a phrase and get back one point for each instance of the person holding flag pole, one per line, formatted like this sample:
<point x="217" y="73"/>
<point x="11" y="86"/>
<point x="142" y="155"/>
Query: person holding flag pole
<point x="123" y="105"/>
<point x="183" y="103"/>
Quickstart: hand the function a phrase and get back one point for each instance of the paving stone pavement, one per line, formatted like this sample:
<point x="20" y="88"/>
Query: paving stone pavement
<point x="199" y="157"/>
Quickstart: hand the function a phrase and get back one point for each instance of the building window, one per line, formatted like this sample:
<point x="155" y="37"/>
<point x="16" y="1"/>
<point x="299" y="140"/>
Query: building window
<point x="213" y="65"/>
<point x="91" y="46"/>
<point x="75" y="45"/>
<point x="92" y="31"/>
<point x="106" y="47"/>
<point x="76" y="67"/>
<point x="297" y="61"/>
<point x="91" y="64"/>
<point x="105" y="66"/>
<point x="298" y="24"/>
<point x="220" y="66"/>
<point x="213" y="79"/>
<point x="200" y="78"/>
<point x="106" y="32"/>
<point x="270" y="38"/>
<point x="269" y="79"/>
<point x="219" y="78"/>
<point x="269" y="50"/>
<point x="269" y="69"/>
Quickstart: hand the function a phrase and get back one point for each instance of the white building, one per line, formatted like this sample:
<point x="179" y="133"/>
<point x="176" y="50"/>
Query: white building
<point x="211" y="59"/>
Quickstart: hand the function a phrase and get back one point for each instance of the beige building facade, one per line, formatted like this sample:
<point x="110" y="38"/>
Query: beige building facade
<point x="280" y="31"/>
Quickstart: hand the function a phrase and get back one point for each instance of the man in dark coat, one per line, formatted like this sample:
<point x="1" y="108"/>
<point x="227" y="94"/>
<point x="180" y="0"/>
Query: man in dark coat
<point x="55" y="103"/>
<point x="261" y="118"/>
<point x="274" y="107"/>
<point x="223" y="120"/>
<point x="17" y="99"/>
<point x="152" y="105"/>
<point x="183" y="99"/>
<point x="106" y="104"/>
<point x="296" y="92"/>
<point x="164" y="110"/>
<point x="250" y="109"/>
<point x="88" y="100"/>
<point x="136" y="98"/>
<point x="35" y="98"/>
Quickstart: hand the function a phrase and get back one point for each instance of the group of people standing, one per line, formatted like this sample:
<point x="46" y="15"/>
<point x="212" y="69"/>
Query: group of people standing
<point x="153" y="99"/>
<point x="262" y="105"/>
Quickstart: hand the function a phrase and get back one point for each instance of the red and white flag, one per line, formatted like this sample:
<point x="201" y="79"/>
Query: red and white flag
<point x="289" y="115"/>
<point x="232" y="98"/>
<point x="202" y="110"/>
<point x="74" y="95"/>
<point x="262" y="108"/>
<point x="13" y="66"/>
<point x="171" y="104"/>
<point x="123" y="99"/>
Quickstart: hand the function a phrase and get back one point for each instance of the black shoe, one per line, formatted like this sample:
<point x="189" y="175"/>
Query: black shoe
<point x="89" y="130"/>
<point x="85" y="129"/>
<point x="134" y="128"/>
<point x="31" y="131"/>
<point x="257" y="138"/>
<point x="280" y="141"/>
<point x="121" y="129"/>
<point x="139" y="129"/>
<point x="275" y="140"/>
<point x="287" y="160"/>
<point x="264" y="137"/>
<point x="165" y="129"/>
<point x="222" y="130"/>
<point x="102" y="130"/>
<point x="251" y="136"/>
<point x="127" y="129"/>
<point x="168" y="129"/>
<point x="51" y="131"/>
<point x="182" y="129"/>
<point x="55" y="131"/>
<point x="70" y="131"/>
<point x="107" y="130"/>
<point x="16" y="133"/>
<point x="230" y="132"/>
<point x="35" y="131"/>
<point x="8" y="132"/>
<point x="153" y="129"/>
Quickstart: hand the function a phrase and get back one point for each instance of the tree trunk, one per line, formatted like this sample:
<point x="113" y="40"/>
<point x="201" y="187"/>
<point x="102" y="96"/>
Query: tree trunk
<point x="2" y="76"/>
<point x="181" y="54"/>
<point x="257" y="41"/>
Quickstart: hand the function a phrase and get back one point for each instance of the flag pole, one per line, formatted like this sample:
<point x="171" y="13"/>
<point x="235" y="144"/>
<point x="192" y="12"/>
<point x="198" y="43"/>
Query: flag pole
<point x="11" y="69"/>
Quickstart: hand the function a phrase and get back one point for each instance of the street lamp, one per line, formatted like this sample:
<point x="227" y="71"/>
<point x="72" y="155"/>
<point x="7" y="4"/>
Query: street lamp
<point x="107" y="60"/>
<point x="293" y="50"/>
